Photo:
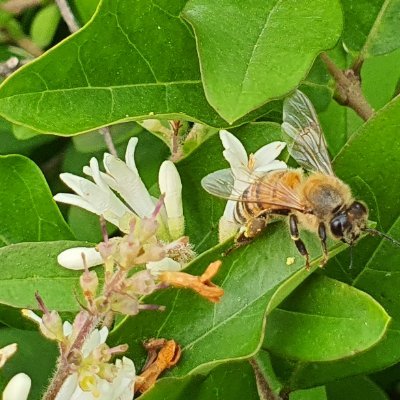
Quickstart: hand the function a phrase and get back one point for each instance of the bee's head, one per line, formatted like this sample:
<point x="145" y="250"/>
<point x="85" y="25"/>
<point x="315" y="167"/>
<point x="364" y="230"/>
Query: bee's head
<point x="348" y="224"/>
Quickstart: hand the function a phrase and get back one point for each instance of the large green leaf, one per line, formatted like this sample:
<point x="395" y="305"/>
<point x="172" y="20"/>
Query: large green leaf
<point x="36" y="356"/>
<point x="152" y="70"/>
<point x="259" y="50"/>
<point x="371" y="26"/>
<point x="233" y="381"/>
<point x="255" y="278"/>
<point x="29" y="267"/>
<point x="315" y="323"/>
<point x="27" y="210"/>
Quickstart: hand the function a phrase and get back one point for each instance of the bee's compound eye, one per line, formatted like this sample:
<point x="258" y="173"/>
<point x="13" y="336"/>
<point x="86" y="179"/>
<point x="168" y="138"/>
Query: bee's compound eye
<point x="337" y="225"/>
<point x="357" y="209"/>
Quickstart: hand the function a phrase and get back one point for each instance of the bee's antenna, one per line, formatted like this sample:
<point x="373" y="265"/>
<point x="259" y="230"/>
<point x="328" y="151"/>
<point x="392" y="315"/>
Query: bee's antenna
<point x="374" y="232"/>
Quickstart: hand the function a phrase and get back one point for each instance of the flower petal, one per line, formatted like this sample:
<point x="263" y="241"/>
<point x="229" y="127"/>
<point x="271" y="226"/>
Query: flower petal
<point x="72" y="258"/>
<point x="18" y="387"/>
<point x="272" y="166"/>
<point x="268" y="153"/>
<point x="234" y="151"/>
<point x="130" y="154"/>
<point x="129" y="185"/>
<point x="171" y="186"/>
<point x="75" y="200"/>
<point x="68" y="388"/>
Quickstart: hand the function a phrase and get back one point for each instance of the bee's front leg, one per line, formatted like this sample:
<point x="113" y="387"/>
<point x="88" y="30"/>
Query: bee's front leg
<point x="251" y="230"/>
<point x="322" y="236"/>
<point x="294" y="233"/>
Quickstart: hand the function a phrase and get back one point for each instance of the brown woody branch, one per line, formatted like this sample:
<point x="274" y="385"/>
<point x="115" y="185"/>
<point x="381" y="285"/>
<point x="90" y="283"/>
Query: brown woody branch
<point x="348" y="88"/>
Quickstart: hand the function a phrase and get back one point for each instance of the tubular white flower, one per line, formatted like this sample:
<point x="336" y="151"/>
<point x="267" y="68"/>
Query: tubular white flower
<point x="7" y="352"/>
<point x="18" y="387"/>
<point x="72" y="258"/>
<point x="245" y="169"/>
<point x="171" y="186"/>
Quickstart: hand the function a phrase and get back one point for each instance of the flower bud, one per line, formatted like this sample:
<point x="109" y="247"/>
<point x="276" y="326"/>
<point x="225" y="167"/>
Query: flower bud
<point x="72" y="258"/>
<point x="89" y="283"/>
<point x="7" y="352"/>
<point x="18" y="387"/>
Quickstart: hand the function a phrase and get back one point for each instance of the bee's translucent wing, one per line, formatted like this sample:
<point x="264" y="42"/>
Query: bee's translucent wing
<point x="306" y="142"/>
<point x="222" y="184"/>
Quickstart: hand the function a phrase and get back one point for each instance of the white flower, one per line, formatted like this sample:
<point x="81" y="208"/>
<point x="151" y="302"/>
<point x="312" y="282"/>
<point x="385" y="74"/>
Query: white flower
<point x="123" y="178"/>
<point x="245" y="169"/>
<point x="85" y="384"/>
<point x="17" y="388"/>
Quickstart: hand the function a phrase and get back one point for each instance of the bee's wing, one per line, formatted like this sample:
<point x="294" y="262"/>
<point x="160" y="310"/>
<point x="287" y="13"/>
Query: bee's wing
<point x="306" y="142"/>
<point x="222" y="184"/>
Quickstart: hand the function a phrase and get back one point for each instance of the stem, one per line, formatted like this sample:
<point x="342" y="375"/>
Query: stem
<point x="63" y="370"/>
<point x="108" y="140"/>
<point x="67" y="15"/>
<point x="264" y="390"/>
<point x="18" y="6"/>
<point x="348" y="88"/>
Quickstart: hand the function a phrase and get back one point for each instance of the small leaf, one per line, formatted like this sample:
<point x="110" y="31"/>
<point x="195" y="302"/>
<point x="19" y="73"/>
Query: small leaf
<point x="44" y="25"/>
<point x="317" y="323"/>
<point x="27" y="210"/>
<point x="259" y="50"/>
<point x="30" y="267"/>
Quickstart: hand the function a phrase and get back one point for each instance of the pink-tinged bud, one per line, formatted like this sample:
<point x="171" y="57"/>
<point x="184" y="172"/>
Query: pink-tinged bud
<point x="52" y="326"/>
<point x="89" y="282"/>
<point x="141" y="283"/>
<point x="124" y="304"/>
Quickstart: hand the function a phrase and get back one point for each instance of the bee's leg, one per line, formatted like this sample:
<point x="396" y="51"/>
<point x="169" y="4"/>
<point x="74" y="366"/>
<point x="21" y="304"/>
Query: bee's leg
<point x="294" y="233"/>
<point x="252" y="229"/>
<point x="322" y="236"/>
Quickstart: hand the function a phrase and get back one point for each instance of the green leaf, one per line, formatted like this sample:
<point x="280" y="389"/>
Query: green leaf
<point x="85" y="8"/>
<point x="315" y="323"/>
<point x="254" y="278"/>
<point x="30" y="267"/>
<point x="36" y="356"/>
<point x="317" y="393"/>
<point x="259" y="50"/>
<point x="68" y="90"/>
<point x="44" y="25"/>
<point x="371" y="26"/>
<point x="355" y="388"/>
<point x="234" y="381"/>
<point x="27" y="210"/>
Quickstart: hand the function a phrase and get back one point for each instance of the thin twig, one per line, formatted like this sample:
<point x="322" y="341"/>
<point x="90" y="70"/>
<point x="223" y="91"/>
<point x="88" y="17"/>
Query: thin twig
<point x="18" y="6"/>
<point x="348" y="89"/>
<point x="264" y="390"/>
<point x="108" y="140"/>
<point x="67" y="15"/>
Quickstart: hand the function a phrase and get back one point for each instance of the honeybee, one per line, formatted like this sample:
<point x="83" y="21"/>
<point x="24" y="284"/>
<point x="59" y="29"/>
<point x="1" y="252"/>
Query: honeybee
<point x="318" y="201"/>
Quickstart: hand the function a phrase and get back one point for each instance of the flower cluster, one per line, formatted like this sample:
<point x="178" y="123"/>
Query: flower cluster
<point x="100" y="197"/>
<point x="91" y="372"/>
<point x="245" y="169"/>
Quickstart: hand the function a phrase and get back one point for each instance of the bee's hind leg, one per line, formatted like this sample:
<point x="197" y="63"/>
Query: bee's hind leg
<point x="294" y="233"/>
<point x="322" y="236"/>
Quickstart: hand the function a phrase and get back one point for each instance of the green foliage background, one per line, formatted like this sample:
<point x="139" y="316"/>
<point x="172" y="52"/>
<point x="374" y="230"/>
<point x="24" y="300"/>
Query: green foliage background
<point x="326" y="334"/>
